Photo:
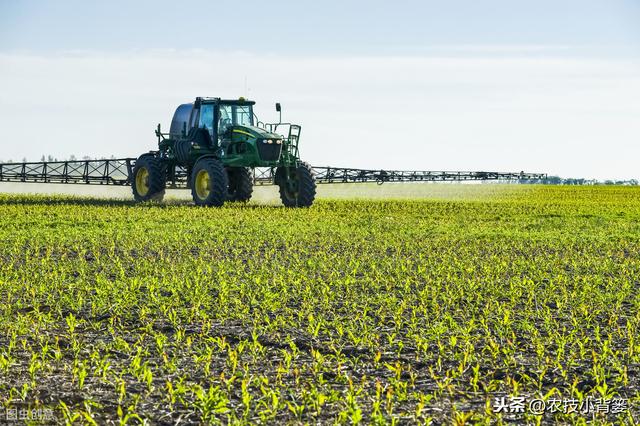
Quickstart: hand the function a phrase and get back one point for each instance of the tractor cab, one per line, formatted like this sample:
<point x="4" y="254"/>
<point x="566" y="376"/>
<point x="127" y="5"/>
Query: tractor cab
<point x="209" y="121"/>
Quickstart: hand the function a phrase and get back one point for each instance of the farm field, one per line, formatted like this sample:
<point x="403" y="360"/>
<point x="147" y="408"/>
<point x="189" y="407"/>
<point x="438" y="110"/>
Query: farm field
<point x="376" y="311"/>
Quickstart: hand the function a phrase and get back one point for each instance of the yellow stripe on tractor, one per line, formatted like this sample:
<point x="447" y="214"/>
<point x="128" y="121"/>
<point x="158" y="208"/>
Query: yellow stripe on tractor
<point x="243" y="132"/>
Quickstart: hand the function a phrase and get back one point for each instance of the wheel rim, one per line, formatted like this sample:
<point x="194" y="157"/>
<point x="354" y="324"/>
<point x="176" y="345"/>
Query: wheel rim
<point x="142" y="181"/>
<point x="203" y="184"/>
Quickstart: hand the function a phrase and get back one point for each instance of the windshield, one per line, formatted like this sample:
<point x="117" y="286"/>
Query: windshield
<point x="243" y="115"/>
<point x="236" y="115"/>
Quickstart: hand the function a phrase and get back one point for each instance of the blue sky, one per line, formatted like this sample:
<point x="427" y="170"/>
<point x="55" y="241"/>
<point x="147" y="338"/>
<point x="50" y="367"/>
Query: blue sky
<point x="551" y="86"/>
<point x="308" y="27"/>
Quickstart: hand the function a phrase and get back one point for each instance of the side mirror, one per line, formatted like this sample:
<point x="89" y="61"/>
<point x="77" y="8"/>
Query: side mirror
<point x="278" y="108"/>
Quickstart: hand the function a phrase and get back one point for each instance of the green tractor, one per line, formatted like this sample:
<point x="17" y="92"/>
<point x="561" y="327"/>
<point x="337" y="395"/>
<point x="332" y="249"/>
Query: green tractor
<point x="219" y="143"/>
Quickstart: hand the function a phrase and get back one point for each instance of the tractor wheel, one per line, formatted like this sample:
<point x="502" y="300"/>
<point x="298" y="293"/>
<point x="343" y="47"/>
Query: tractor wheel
<point x="149" y="179"/>
<point x="209" y="182"/>
<point x="299" y="190"/>
<point x="240" y="184"/>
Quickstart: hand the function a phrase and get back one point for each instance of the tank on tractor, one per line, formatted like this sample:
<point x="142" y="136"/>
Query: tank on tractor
<point x="219" y="143"/>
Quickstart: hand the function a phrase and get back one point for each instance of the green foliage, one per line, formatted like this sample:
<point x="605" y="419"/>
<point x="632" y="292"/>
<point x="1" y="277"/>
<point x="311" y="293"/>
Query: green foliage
<point x="364" y="312"/>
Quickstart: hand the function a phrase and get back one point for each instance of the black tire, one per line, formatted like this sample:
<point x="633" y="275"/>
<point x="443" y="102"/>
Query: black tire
<point x="301" y="191"/>
<point x="209" y="183"/>
<point x="149" y="179"/>
<point x="240" y="184"/>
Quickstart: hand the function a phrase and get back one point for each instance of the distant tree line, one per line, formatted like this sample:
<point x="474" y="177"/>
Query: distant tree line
<point x="557" y="180"/>
<point x="72" y="157"/>
<point x="51" y="158"/>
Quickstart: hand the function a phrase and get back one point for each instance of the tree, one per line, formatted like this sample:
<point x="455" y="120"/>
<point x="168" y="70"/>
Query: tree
<point x="553" y="180"/>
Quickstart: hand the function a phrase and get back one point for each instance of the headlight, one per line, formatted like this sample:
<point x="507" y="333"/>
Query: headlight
<point x="269" y="141"/>
<point x="278" y="141"/>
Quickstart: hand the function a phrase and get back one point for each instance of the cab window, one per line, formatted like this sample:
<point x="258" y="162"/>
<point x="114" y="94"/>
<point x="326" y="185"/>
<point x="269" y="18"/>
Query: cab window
<point x="226" y="118"/>
<point x="206" y="118"/>
<point x="243" y="115"/>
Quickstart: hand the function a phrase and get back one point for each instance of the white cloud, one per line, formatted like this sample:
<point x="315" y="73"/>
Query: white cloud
<point x="567" y="116"/>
